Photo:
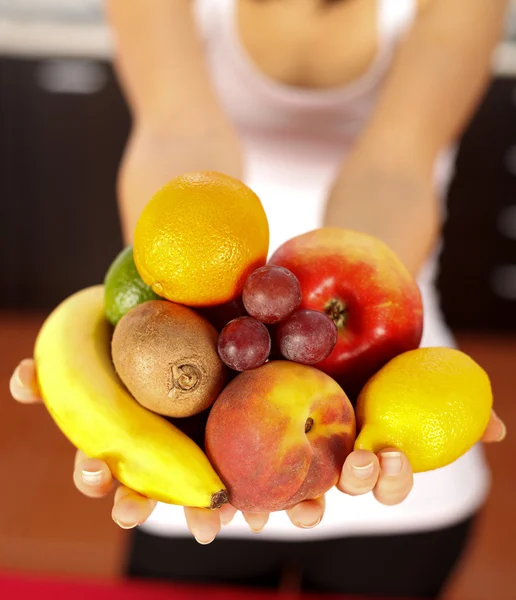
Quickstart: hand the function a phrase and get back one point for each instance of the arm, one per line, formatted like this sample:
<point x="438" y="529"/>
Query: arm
<point x="178" y="125"/>
<point x="439" y="73"/>
<point x="160" y="63"/>
<point x="362" y="471"/>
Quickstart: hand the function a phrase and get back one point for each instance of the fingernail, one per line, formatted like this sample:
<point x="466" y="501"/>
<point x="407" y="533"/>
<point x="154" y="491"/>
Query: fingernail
<point x="225" y="519"/>
<point x="18" y="388"/>
<point x="203" y="542"/>
<point x="125" y="525"/>
<point x="390" y="462"/>
<point x="24" y="373"/>
<point x="363" y="472"/>
<point x="91" y="477"/>
<point x="203" y="535"/>
<point x="256" y="528"/>
<point x="310" y="525"/>
<point x="256" y="523"/>
<point x="503" y="433"/>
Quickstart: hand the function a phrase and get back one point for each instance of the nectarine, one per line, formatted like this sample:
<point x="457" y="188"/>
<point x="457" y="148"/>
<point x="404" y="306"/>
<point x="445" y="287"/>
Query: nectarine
<point x="278" y="435"/>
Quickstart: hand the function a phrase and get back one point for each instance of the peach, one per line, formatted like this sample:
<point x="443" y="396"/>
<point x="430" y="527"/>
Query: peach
<point x="278" y="435"/>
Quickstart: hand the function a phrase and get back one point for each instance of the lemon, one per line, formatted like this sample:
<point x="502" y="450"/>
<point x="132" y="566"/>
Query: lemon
<point x="123" y="287"/>
<point x="433" y="404"/>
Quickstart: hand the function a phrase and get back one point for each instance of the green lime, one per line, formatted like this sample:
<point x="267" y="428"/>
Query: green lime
<point x="123" y="287"/>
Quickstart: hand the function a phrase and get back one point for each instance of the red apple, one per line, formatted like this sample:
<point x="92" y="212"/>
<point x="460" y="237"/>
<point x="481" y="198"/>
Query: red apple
<point x="370" y="295"/>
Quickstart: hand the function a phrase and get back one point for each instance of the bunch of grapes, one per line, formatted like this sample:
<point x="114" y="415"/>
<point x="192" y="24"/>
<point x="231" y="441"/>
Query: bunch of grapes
<point x="271" y="298"/>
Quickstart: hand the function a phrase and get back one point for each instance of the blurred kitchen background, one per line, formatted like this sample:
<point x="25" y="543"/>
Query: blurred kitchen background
<point x="63" y="125"/>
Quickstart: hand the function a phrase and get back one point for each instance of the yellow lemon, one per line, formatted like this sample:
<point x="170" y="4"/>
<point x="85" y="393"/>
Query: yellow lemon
<point x="433" y="404"/>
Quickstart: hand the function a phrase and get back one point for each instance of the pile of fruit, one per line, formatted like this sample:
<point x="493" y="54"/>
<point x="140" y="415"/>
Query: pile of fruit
<point x="281" y="361"/>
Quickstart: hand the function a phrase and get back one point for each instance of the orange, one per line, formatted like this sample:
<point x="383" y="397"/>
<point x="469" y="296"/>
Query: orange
<point x="199" y="237"/>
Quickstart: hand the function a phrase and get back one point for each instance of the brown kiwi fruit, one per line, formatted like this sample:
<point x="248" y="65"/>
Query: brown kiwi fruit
<point x="166" y="355"/>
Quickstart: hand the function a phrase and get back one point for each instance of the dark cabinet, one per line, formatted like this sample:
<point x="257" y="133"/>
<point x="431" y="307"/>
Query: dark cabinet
<point x="477" y="277"/>
<point x="63" y="126"/>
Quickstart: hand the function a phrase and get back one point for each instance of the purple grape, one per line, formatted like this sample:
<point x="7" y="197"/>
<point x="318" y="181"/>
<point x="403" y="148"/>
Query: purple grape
<point x="271" y="294"/>
<point x="244" y="344"/>
<point x="308" y="337"/>
<point x="219" y="316"/>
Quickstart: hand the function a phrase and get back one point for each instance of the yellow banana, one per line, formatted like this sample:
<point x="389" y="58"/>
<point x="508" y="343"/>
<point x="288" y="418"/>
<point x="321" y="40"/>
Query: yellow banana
<point x="88" y="402"/>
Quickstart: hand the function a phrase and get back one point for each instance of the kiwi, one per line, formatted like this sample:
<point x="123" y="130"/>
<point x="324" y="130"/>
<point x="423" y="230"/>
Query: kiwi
<point x="166" y="355"/>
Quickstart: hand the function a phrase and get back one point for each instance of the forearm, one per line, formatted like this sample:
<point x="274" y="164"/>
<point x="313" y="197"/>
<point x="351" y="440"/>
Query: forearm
<point x="153" y="158"/>
<point x="160" y="63"/>
<point x="386" y="187"/>
<point x="438" y="75"/>
<point x="178" y="125"/>
<point x="398" y="207"/>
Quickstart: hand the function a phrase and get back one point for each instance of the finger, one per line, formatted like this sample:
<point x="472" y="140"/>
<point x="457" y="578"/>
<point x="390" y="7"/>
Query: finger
<point x="256" y="520"/>
<point x="395" y="478"/>
<point x="130" y="508"/>
<point x="495" y="430"/>
<point x="203" y="523"/>
<point x="359" y="473"/>
<point x="79" y="457"/>
<point x="227" y="512"/>
<point x="24" y="384"/>
<point x="307" y="514"/>
<point x="92" y="476"/>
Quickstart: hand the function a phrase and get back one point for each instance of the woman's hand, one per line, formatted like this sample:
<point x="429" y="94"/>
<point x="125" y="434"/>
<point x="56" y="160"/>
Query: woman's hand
<point x="388" y="475"/>
<point x="92" y="477"/>
<point x="155" y="155"/>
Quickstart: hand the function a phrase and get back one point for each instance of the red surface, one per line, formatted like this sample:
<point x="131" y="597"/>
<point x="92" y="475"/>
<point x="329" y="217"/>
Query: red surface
<point x="43" y="588"/>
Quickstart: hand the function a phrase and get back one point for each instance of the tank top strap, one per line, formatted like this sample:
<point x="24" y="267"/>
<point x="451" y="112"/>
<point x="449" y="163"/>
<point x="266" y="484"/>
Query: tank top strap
<point x="212" y="16"/>
<point x="394" y="18"/>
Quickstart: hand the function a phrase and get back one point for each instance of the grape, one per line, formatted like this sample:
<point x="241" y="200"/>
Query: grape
<point x="308" y="337"/>
<point x="271" y="294"/>
<point x="221" y="314"/>
<point x="275" y="353"/>
<point x="244" y="344"/>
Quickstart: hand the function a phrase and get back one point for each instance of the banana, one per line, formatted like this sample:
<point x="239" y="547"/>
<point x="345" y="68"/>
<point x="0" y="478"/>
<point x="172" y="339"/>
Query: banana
<point x="88" y="402"/>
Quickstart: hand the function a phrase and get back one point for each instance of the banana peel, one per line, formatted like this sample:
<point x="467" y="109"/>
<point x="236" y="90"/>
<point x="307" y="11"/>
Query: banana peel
<point x="93" y="409"/>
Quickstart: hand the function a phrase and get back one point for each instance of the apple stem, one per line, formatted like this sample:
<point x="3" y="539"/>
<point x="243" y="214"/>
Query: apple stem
<point x="308" y="425"/>
<point x="337" y="311"/>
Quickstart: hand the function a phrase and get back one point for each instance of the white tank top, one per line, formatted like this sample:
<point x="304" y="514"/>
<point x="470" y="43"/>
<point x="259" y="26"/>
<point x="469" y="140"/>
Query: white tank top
<point x="294" y="141"/>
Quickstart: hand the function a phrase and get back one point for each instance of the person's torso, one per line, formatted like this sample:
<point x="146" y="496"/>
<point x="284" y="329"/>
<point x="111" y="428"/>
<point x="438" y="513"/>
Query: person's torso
<point x="297" y="122"/>
<point x="297" y="125"/>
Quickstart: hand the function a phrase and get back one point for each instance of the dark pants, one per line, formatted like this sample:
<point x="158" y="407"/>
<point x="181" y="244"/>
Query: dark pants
<point x="410" y="565"/>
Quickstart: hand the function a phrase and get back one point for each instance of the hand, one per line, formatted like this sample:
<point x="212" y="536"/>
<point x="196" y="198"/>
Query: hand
<point x="93" y="478"/>
<point x="388" y="475"/>
<point x="155" y="156"/>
